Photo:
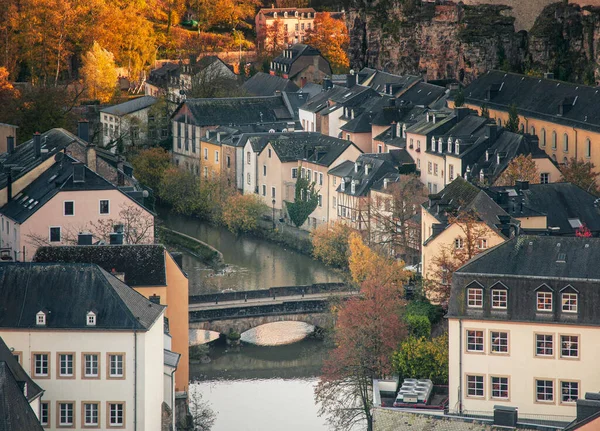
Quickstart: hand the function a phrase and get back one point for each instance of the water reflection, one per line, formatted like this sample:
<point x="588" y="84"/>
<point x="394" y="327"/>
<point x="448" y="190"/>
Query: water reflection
<point x="253" y="263"/>
<point x="278" y="333"/>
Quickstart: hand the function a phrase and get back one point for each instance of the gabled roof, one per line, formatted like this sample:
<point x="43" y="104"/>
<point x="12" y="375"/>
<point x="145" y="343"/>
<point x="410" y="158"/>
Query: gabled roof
<point x="311" y="89"/>
<point x="236" y="110"/>
<point x="356" y="172"/>
<point x="560" y="202"/>
<point x="422" y="94"/>
<point x="130" y="106"/>
<point x="68" y="292"/>
<point x="264" y="84"/>
<point x="297" y="50"/>
<point x="538" y="98"/>
<point x="143" y="265"/>
<point x="19" y="374"/>
<point x="528" y="255"/>
<point x="319" y="102"/>
<point x="311" y="146"/>
<point x="15" y="411"/>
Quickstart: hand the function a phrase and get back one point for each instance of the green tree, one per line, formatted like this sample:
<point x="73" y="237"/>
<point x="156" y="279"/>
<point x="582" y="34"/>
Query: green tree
<point x="150" y="165"/>
<point x="459" y="100"/>
<point x="420" y="358"/>
<point x="181" y="189"/>
<point x="418" y="326"/>
<point x="512" y="125"/>
<point x="484" y="111"/>
<point x="305" y="202"/>
<point x="99" y="73"/>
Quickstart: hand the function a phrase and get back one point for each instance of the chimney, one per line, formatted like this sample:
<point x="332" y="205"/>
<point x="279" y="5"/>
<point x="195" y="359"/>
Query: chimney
<point x="385" y="183"/>
<point x="84" y="238"/>
<point x="10" y="144"/>
<point x="90" y="156"/>
<point x="83" y="130"/>
<point x="9" y="181"/>
<point x="522" y="185"/>
<point x="116" y="238"/>
<point x="37" y="144"/>
<point x="327" y="84"/>
<point x="78" y="172"/>
<point x="491" y="132"/>
<point x="461" y="113"/>
<point x="350" y="80"/>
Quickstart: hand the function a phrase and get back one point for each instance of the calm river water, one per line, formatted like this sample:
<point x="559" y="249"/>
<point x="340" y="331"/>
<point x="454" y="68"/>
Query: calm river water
<point x="267" y="384"/>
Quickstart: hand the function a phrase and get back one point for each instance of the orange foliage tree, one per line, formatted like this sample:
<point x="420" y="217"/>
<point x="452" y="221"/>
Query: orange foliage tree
<point x="582" y="174"/>
<point x="330" y="36"/>
<point x="521" y="168"/>
<point x="330" y="244"/>
<point x="242" y="212"/>
<point x="368" y="329"/>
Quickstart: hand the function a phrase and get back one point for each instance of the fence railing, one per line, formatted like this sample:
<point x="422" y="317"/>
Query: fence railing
<point x="548" y="422"/>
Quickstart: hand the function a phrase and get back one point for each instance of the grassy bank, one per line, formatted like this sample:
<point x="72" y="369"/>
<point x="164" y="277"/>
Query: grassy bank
<point x="203" y="251"/>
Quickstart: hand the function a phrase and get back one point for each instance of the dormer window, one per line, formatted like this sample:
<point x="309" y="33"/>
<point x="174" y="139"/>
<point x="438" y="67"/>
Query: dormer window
<point x="481" y="175"/>
<point x="296" y="14"/>
<point x="285" y="14"/>
<point x="432" y="143"/>
<point x="440" y="145"/>
<point x="343" y="186"/>
<point x="308" y="15"/>
<point x="450" y="145"/>
<point x="40" y="318"/>
<point x="91" y="319"/>
<point x="352" y="187"/>
<point x="569" y="299"/>
<point x="475" y="297"/>
<point x="457" y="147"/>
<point x="274" y="14"/>
<point x="544" y="298"/>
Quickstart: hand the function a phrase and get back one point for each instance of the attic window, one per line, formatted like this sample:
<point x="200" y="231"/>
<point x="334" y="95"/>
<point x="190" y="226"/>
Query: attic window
<point x="575" y="223"/>
<point x="91" y="319"/>
<point x="353" y="188"/>
<point x="562" y="258"/>
<point x="40" y="318"/>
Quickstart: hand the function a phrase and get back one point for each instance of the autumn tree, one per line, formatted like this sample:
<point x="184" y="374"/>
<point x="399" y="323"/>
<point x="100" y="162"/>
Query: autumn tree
<point x="391" y="211"/>
<point x="512" y="125"/>
<point x="232" y="14"/>
<point x="459" y="100"/>
<point x="422" y="358"/>
<point x="368" y="329"/>
<point x="272" y="40"/>
<point x="330" y="36"/>
<point x="330" y="244"/>
<point x="582" y="174"/>
<point x="150" y="165"/>
<point x="470" y="240"/>
<point x="99" y="74"/>
<point x="521" y="168"/>
<point x="241" y="213"/>
<point x="213" y="83"/>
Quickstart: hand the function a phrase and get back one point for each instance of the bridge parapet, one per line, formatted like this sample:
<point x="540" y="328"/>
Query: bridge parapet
<point x="269" y="293"/>
<point x="285" y="308"/>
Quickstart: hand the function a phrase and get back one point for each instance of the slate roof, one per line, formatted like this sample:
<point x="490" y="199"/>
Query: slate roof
<point x="536" y="256"/>
<point x="171" y="358"/>
<point x="298" y="50"/>
<point x="15" y="412"/>
<point x="379" y="81"/>
<point x="263" y="84"/>
<point x="143" y="265"/>
<point x="69" y="292"/>
<point x="18" y="373"/>
<point x="236" y="110"/>
<point x="462" y="195"/>
<point x="130" y="106"/>
<point x="311" y="89"/>
<point x="311" y="146"/>
<point x="422" y="94"/>
<point x="538" y="98"/>
<point x="364" y="115"/>
<point x="294" y="100"/>
<point x="319" y="102"/>
<point x="380" y="165"/>
<point x="560" y="202"/>
<point x="445" y="120"/>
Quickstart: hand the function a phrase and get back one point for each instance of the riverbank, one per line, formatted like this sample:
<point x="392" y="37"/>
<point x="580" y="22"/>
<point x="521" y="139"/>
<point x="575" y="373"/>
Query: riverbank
<point x="205" y="252"/>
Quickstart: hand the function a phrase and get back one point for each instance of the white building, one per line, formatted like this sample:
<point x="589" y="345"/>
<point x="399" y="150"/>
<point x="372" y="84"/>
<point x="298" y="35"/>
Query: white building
<point x="127" y="122"/>
<point x="92" y="342"/>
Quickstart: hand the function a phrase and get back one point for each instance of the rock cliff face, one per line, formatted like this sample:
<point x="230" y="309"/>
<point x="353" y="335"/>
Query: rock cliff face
<point x="459" y="41"/>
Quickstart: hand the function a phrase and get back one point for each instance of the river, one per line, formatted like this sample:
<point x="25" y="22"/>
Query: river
<point x="268" y="383"/>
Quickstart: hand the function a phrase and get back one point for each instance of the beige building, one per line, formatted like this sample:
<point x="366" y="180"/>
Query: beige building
<point x="275" y="161"/>
<point x="438" y="233"/>
<point x="523" y="327"/>
<point x="95" y="345"/>
<point x="294" y="22"/>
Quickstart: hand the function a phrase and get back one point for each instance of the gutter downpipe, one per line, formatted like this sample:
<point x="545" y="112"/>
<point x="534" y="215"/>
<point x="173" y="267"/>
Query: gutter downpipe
<point x="135" y="380"/>
<point x="460" y="378"/>
<point x="173" y="396"/>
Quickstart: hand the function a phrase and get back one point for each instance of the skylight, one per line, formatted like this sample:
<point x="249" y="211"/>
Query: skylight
<point x="575" y="223"/>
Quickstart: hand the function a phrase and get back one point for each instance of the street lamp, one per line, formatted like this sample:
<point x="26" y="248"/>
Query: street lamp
<point x="273" y="202"/>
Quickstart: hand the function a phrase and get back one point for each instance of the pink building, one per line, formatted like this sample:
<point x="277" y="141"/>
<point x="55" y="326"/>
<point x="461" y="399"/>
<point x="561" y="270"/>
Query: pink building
<point x="65" y="199"/>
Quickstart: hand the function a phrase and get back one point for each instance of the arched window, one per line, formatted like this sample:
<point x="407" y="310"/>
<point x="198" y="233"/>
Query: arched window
<point x="543" y="138"/>
<point x="532" y="130"/>
<point x="274" y="14"/>
<point x="285" y="14"/>
<point x="553" y="140"/>
<point x="588" y="148"/>
<point x="565" y="143"/>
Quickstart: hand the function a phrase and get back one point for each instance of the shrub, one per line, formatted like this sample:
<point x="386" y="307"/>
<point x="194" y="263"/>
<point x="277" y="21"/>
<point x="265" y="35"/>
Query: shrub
<point x="418" y="326"/>
<point x="419" y="358"/>
<point x="422" y="307"/>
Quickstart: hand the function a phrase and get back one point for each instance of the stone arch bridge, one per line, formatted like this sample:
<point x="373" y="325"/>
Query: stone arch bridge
<point x="241" y="311"/>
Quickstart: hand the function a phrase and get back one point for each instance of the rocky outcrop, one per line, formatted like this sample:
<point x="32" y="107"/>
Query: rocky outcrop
<point x="459" y="41"/>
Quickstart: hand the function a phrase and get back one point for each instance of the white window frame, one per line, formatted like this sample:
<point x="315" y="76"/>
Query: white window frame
<point x="273" y="192"/>
<point x="566" y="305"/>
<point x="216" y="156"/>
<point x="544" y="296"/>
<point x="90" y="319"/>
<point x="478" y="337"/>
<point x="496" y="342"/>
<point x="64" y="362"/>
<point x="499" y="297"/>
<point x="100" y="206"/>
<point x="91" y="361"/>
<point x="459" y="243"/>
<point x="544" y="339"/>
<point x="569" y="399"/>
<point x="65" y="208"/>
<point x="569" y="341"/>
<point x="90" y="423"/>
<point x="294" y="173"/>
<point x="474" y="297"/>
<point x="501" y="384"/>
<point x="545" y="387"/>
<point x="44" y="359"/>
<point x="482" y="244"/>
<point x="44" y="411"/>
<point x="112" y="371"/>
<point x="60" y="414"/>
<point x="111" y="418"/>
<point x="479" y="386"/>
